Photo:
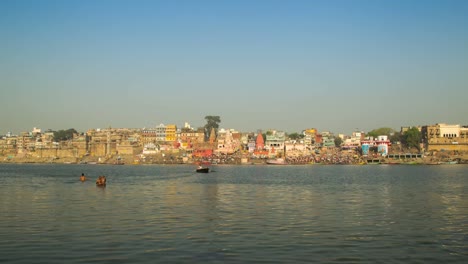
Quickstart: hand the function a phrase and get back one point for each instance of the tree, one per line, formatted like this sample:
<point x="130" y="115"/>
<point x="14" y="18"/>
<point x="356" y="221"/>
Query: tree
<point x="381" y="131"/>
<point x="396" y="137"/>
<point x="211" y="122"/>
<point x="338" y="142"/>
<point x="295" y="136"/>
<point x="62" y="135"/>
<point x="411" y="138"/>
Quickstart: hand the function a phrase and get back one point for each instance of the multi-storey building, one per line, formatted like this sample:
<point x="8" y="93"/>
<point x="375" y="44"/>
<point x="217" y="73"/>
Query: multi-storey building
<point x="8" y="145"/>
<point x="189" y="136"/>
<point x="148" y="135"/>
<point x="275" y="142"/>
<point x="353" y="142"/>
<point x="25" y="142"/>
<point x="161" y="133"/>
<point x="228" y="141"/>
<point x="445" y="137"/>
<point x="309" y="136"/>
<point x="105" y="142"/>
<point x="171" y="133"/>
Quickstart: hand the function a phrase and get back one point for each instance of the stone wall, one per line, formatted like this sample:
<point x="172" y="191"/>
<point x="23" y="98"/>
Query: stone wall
<point x="129" y="149"/>
<point x="448" y="147"/>
<point x="100" y="149"/>
<point x="59" y="153"/>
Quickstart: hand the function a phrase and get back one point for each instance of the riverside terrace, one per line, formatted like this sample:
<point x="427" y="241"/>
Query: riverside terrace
<point x="329" y="156"/>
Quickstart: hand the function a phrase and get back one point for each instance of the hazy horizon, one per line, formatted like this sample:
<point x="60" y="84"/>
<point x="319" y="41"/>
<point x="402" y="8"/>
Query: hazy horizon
<point x="287" y="65"/>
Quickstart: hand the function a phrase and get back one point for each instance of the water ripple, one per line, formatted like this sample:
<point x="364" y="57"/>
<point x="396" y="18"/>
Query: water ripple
<point x="261" y="214"/>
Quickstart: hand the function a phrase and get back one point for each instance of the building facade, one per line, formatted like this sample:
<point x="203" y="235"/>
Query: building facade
<point x="442" y="136"/>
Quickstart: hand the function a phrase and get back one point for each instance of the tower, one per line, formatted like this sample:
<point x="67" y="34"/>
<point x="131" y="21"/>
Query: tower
<point x="212" y="135"/>
<point x="260" y="143"/>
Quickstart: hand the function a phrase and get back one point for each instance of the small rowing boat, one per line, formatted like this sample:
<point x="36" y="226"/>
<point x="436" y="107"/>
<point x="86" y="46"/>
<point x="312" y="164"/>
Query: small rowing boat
<point x="203" y="170"/>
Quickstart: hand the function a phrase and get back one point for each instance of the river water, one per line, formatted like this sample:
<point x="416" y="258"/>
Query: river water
<point x="236" y="214"/>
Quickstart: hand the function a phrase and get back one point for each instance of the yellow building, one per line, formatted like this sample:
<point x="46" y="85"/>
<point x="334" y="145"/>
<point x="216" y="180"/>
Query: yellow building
<point x="309" y="136"/>
<point x="171" y="133"/>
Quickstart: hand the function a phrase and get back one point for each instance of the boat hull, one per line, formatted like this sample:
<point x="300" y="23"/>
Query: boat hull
<point x="203" y="170"/>
<point x="448" y="163"/>
<point x="276" y="162"/>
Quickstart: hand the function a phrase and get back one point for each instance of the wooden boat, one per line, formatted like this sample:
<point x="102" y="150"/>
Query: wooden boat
<point x="276" y="162"/>
<point x="203" y="170"/>
<point x="448" y="162"/>
<point x="393" y="163"/>
<point x="119" y="161"/>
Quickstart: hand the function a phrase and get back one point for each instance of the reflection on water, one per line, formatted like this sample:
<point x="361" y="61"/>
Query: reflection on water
<point x="235" y="214"/>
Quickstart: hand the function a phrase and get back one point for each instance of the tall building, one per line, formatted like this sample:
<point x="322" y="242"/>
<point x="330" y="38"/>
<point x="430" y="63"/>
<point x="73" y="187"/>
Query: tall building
<point x="309" y="136"/>
<point x="171" y="133"/>
<point x="160" y="133"/>
<point x="259" y="143"/>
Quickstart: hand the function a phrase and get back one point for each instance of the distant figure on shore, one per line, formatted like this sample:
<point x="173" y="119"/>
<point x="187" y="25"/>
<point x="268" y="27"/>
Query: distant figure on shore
<point x="101" y="181"/>
<point x="82" y="177"/>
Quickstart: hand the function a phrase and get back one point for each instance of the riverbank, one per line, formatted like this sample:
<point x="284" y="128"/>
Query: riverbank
<point x="168" y="160"/>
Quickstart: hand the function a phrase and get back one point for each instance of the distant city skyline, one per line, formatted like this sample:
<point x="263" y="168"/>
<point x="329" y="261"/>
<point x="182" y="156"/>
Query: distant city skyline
<point x="288" y="65"/>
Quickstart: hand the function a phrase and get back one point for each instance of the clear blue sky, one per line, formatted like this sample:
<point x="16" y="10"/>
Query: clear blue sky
<point x="287" y="65"/>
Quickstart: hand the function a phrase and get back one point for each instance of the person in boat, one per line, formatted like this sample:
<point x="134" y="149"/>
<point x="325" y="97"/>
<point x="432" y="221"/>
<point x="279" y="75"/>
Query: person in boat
<point x="101" y="181"/>
<point x="82" y="177"/>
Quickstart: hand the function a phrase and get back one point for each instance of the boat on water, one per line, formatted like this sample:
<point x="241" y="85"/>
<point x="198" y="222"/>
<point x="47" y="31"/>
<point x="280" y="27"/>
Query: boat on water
<point x="278" y="161"/>
<point x="202" y="170"/>
<point x="119" y="161"/>
<point x="448" y="162"/>
<point x="391" y="163"/>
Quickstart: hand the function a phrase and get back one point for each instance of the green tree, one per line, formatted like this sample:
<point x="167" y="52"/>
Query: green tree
<point x="338" y="141"/>
<point x="267" y="133"/>
<point x="295" y="136"/>
<point x="62" y="135"/>
<point x="396" y="137"/>
<point x="380" y="132"/>
<point x="411" y="138"/>
<point x="211" y="122"/>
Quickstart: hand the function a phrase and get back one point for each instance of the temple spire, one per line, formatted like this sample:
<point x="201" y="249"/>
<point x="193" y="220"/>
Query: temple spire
<point x="259" y="143"/>
<point x="212" y="135"/>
